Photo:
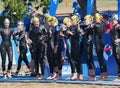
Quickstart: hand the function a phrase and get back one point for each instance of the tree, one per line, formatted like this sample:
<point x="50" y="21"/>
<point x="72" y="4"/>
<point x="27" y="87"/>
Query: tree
<point x="15" y="8"/>
<point x="83" y="4"/>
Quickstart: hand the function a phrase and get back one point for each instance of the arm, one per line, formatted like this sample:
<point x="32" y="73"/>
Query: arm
<point x="28" y="37"/>
<point x="22" y="36"/>
<point x="61" y="34"/>
<point x="117" y="40"/>
<point x="69" y="32"/>
<point x="80" y="31"/>
<point x="14" y="37"/>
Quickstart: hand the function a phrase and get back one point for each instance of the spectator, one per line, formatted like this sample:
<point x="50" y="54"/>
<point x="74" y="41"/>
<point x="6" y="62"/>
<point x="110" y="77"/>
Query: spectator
<point x="108" y="24"/>
<point x="77" y="9"/>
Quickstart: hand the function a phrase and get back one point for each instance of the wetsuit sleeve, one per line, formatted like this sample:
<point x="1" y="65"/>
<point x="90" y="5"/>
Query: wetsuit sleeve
<point x="49" y="34"/>
<point x="30" y="34"/>
<point x="42" y="33"/>
<point x="80" y="31"/>
<point x="56" y="34"/>
<point x="14" y="36"/>
<point x="15" y="39"/>
<point x="88" y="28"/>
<point x="22" y="36"/>
<point x="40" y="36"/>
<point x="114" y="35"/>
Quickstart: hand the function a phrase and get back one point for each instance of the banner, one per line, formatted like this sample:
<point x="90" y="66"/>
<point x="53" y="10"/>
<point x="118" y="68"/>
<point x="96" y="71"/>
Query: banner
<point x="53" y="7"/>
<point x="89" y="9"/>
<point x="119" y="9"/>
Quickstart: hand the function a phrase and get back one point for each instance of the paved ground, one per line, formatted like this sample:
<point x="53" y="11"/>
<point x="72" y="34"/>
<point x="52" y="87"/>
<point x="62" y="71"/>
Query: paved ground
<point x="50" y="85"/>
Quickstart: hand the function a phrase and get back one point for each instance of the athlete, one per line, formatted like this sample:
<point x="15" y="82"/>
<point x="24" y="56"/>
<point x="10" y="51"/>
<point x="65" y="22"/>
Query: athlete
<point x="115" y="33"/>
<point x="99" y="45"/>
<point x="6" y="47"/>
<point x="37" y="38"/>
<point x="88" y="46"/>
<point x="76" y="46"/>
<point x="22" y="46"/>
<point x="65" y="35"/>
<point x="50" y="45"/>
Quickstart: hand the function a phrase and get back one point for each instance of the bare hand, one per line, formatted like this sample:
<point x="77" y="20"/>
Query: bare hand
<point x="29" y="41"/>
<point x="61" y="34"/>
<point x="69" y="32"/>
<point x="63" y="60"/>
<point x="50" y="31"/>
<point x="117" y="40"/>
<point x="65" y="46"/>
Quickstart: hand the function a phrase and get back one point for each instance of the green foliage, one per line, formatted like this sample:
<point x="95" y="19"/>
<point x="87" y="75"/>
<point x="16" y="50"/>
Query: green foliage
<point x="45" y="4"/>
<point x="19" y="7"/>
<point x="15" y="6"/>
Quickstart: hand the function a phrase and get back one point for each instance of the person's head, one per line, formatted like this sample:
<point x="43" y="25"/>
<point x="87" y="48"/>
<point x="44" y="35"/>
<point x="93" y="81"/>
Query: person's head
<point x="75" y="4"/>
<point x="20" y="25"/>
<point x="88" y="19"/>
<point x="97" y="17"/>
<point x="36" y="22"/>
<point x="106" y="18"/>
<point x="75" y="20"/>
<point x="6" y="23"/>
<point x="49" y="20"/>
<point x="33" y="13"/>
<point x="29" y="5"/>
<point x="67" y="21"/>
<point x="54" y="21"/>
<point x="115" y="19"/>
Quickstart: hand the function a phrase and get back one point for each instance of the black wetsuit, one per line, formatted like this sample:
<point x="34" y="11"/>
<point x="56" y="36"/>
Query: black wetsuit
<point x="88" y="46"/>
<point x="23" y="49"/>
<point x="38" y="49"/>
<point x="66" y="40"/>
<point x="58" y="56"/>
<point x="50" y="47"/>
<point x="99" y="45"/>
<point x="75" y="59"/>
<point x="6" y="47"/>
<point x="115" y="33"/>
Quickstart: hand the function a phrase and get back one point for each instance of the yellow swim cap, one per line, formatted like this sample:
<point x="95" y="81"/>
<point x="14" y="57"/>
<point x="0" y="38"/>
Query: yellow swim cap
<point x="66" y="20"/>
<point x="97" y="17"/>
<point x="76" y="18"/>
<point x="88" y="17"/>
<point x="35" y="19"/>
<point x="49" y="18"/>
<point x="54" y="19"/>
